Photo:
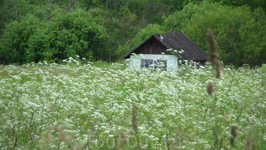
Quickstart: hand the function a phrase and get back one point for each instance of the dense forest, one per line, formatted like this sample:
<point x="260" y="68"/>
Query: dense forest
<point x="53" y="30"/>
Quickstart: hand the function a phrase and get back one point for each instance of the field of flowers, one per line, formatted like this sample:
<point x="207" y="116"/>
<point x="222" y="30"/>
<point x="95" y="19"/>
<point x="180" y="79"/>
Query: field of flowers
<point x="109" y="106"/>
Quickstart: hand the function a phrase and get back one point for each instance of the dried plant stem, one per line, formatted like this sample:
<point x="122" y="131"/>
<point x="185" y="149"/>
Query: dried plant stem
<point x="134" y="119"/>
<point x="213" y="53"/>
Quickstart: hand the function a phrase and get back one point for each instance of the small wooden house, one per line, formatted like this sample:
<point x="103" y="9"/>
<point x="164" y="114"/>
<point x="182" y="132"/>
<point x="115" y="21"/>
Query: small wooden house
<point x="166" y="48"/>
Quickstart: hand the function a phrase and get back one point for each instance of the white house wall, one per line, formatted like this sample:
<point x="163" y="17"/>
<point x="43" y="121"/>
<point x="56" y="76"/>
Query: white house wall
<point x="172" y="61"/>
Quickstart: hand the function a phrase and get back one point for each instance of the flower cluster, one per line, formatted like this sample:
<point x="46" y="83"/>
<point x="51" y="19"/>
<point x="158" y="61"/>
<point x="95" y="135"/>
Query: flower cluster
<point x="75" y="106"/>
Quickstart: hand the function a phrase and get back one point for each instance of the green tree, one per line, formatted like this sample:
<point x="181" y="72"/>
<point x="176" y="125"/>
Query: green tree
<point x="66" y="34"/>
<point x="14" y="42"/>
<point x="232" y="27"/>
<point x="11" y="10"/>
<point x="253" y="34"/>
<point x="120" y="26"/>
<point x="174" y="21"/>
<point x="77" y="32"/>
<point x="253" y="4"/>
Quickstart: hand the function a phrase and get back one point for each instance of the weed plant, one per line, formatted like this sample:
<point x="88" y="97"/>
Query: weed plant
<point x="79" y="105"/>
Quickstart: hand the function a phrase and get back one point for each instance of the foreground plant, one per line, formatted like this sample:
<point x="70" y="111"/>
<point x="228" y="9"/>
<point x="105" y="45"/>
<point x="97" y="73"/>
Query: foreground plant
<point x="89" y="106"/>
<point x="217" y="110"/>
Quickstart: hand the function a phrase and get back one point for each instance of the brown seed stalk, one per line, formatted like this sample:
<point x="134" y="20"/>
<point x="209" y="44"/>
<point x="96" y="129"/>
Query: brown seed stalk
<point x="209" y="88"/>
<point x="213" y="53"/>
<point x="134" y="119"/>
<point x="233" y="131"/>
<point x="123" y="138"/>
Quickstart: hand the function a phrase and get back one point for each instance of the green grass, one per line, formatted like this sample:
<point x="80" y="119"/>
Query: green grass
<point x="90" y="106"/>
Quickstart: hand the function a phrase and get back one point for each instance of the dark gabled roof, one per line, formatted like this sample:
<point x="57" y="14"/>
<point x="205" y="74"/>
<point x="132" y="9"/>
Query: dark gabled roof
<point x="177" y="41"/>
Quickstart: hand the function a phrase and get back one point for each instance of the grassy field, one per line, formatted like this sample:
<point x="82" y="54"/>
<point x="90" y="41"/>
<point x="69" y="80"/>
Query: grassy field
<point x="108" y="106"/>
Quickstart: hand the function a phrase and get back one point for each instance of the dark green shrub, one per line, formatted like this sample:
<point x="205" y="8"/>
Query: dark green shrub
<point x="65" y="35"/>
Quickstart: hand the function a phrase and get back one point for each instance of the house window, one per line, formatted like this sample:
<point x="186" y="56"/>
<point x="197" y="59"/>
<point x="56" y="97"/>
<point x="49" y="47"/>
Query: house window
<point x="154" y="64"/>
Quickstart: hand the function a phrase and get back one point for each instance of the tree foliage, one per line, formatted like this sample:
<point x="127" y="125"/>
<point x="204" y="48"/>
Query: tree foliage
<point x="233" y="27"/>
<point x="66" y="34"/>
<point x="52" y="30"/>
<point x="174" y="21"/>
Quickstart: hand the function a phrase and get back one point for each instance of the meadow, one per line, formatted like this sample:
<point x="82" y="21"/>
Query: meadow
<point x="97" y="105"/>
